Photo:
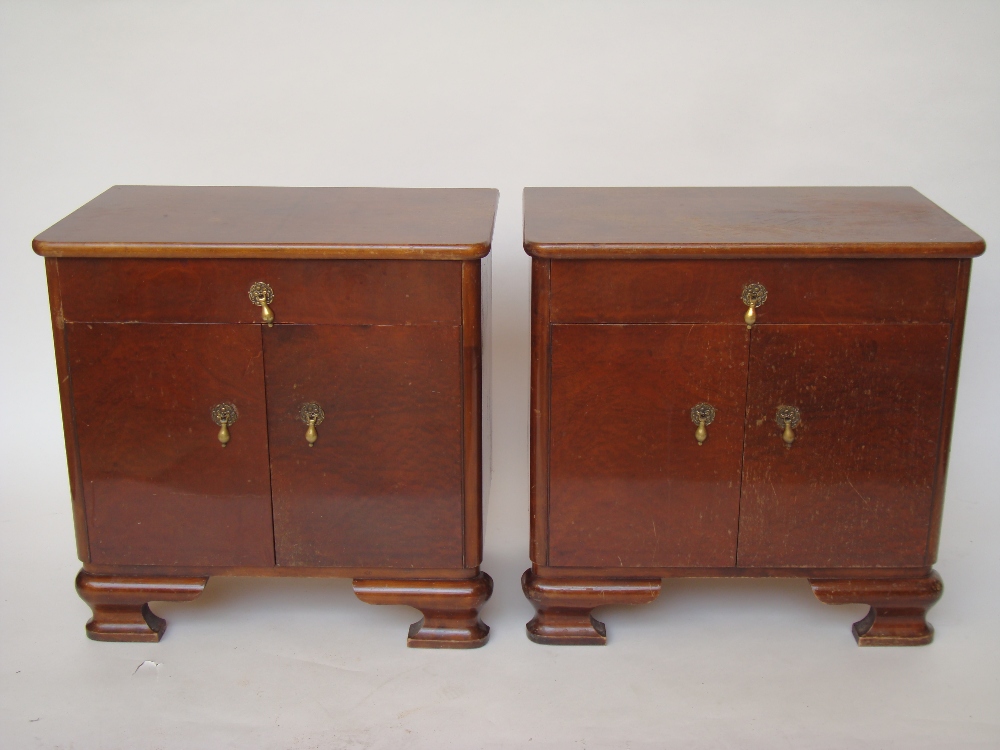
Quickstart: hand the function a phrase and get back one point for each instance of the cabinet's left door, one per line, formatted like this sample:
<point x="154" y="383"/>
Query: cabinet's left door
<point x="160" y="487"/>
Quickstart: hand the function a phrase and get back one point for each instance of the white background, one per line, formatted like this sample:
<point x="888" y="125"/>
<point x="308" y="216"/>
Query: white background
<point x="502" y="94"/>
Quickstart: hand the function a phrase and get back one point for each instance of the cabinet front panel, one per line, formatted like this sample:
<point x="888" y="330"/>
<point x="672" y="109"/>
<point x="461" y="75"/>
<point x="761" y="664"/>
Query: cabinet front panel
<point x="386" y="292"/>
<point x="382" y="484"/>
<point x="629" y="484"/>
<point x="855" y="487"/>
<point x="160" y="488"/>
<point x="798" y="291"/>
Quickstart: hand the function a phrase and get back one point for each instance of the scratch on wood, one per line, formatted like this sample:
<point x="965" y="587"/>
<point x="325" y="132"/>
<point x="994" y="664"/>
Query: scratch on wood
<point x="856" y="490"/>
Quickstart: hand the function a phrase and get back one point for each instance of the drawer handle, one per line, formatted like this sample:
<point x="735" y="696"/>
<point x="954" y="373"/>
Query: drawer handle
<point x="787" y="418"/>
<point x="224" y="414"/>
<point x="702" y="415"/>
<point x="312" y="414"/>
<point x="262" y="295"/>
<point x="754" y="295"/>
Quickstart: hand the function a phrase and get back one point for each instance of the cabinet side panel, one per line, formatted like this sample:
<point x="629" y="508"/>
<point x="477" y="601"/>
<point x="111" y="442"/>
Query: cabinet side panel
<point x="855" y="487"/>
<point x="539" y="418"/>
<point x="472" y="415"/>
<point x="948" y="410"/>
<point x="66" y="403"/>
<point x="486" y="335"/>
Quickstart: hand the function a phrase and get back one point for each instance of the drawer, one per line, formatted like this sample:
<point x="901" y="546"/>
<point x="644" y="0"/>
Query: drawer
<point x="709" y="291"/>
<point x="348" y="292"/>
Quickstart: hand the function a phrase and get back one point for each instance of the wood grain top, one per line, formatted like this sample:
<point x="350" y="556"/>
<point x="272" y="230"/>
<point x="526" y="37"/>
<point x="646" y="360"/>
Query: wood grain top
<point x="277" y="222"/>
<point x="678" y="222"/>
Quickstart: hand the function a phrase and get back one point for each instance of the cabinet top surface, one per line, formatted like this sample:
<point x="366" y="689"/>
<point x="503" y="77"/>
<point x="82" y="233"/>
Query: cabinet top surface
<point x="277" y="222"/>
<point x="674" y="222"/>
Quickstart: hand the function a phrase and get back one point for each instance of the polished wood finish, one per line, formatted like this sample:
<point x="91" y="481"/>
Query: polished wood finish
<point x="564" y="606"/>
<point x="159" y="487"/>
<point x="297" y="571"/>
<point x="121" y="604"/>
<point x="637" y="316"/>
<point x="546" y="571"/>
<point x="450" y="609"/>
<point x="66" y="404"/>
<point x="540" y="410"/>
<point x="799" y="291"/>
<point x="629" y="485"/>
<point x="377" y="317"/>
<point x="472" y="415"/>
<point x="897" y="616"/>
<point x="159" y="221"/>
<point x="865" y="451"/>
<point x="350" y="292"/>
<point x="734" y="222"/>
<point x="948" y="411"/>
<point x="389" y="448"/>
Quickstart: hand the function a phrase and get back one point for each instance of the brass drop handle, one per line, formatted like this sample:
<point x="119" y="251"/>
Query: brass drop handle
<point x="262" y="295"/>
<point x="787" y="418"/>
<point x="312" y="414"/>
<point x="224" y="415"/>
<point x="702" y="415"/>
<point x="754" y="295"/>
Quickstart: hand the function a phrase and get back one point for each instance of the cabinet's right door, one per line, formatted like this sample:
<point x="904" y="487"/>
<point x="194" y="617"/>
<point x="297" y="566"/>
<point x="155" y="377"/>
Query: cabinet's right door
<point x="382" y="484"/>
<point x="855" y="487"/>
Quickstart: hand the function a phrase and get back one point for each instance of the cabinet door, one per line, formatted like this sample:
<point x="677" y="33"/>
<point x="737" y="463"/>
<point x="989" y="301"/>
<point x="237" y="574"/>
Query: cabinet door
<point x="629" y="484"/>
<point x="160" y="489"/>
<point x="855" y="487"/>
<point x="382" y="484"/>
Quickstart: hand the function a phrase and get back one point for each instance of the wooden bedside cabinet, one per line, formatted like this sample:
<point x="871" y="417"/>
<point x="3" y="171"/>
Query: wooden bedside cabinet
<point x="275" y="381"/>
<point x="741" y="382"/>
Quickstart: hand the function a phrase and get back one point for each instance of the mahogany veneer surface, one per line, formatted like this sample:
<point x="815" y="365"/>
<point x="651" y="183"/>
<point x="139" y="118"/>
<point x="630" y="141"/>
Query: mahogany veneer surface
<point x="382" y="486"/>
<point x="158" y="488"/>
<point x="638" y="316"/>
<point x="276" y="222"/>
<point x="349" y="292"/>
<point x="708" y="291"/>
<point x="628" y="485"/>
<point x="736" y="221"/>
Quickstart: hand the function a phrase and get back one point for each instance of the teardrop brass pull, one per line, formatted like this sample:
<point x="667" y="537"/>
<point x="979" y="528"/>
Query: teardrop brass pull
<point x="312" y="414"/>
<point x="702" y="415"/>
<point x="787" y="418"/>
<point x="754" y="295"/>
<point x="224" y="414"/>
<point x="262" y="295"/>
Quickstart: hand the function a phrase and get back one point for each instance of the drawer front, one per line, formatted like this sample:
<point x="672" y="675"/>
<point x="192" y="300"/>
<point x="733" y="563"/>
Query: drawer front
<point x="347" y="292"/>
<point x="709" y="291"/>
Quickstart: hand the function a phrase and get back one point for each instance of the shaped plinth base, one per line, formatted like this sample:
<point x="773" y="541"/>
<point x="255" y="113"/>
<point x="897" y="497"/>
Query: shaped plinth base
<point x="450" y="608"/>
<point x="121" y="604"/>
<point x="564" y="605"/>
<point x="898" y="607"/>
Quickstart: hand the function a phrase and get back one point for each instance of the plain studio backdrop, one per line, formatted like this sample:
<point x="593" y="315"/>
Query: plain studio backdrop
<point x="504" y="95"/>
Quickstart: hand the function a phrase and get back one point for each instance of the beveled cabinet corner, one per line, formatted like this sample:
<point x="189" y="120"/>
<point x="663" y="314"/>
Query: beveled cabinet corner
<point x="741" y="382"/>
<point x="308" y="367"/>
